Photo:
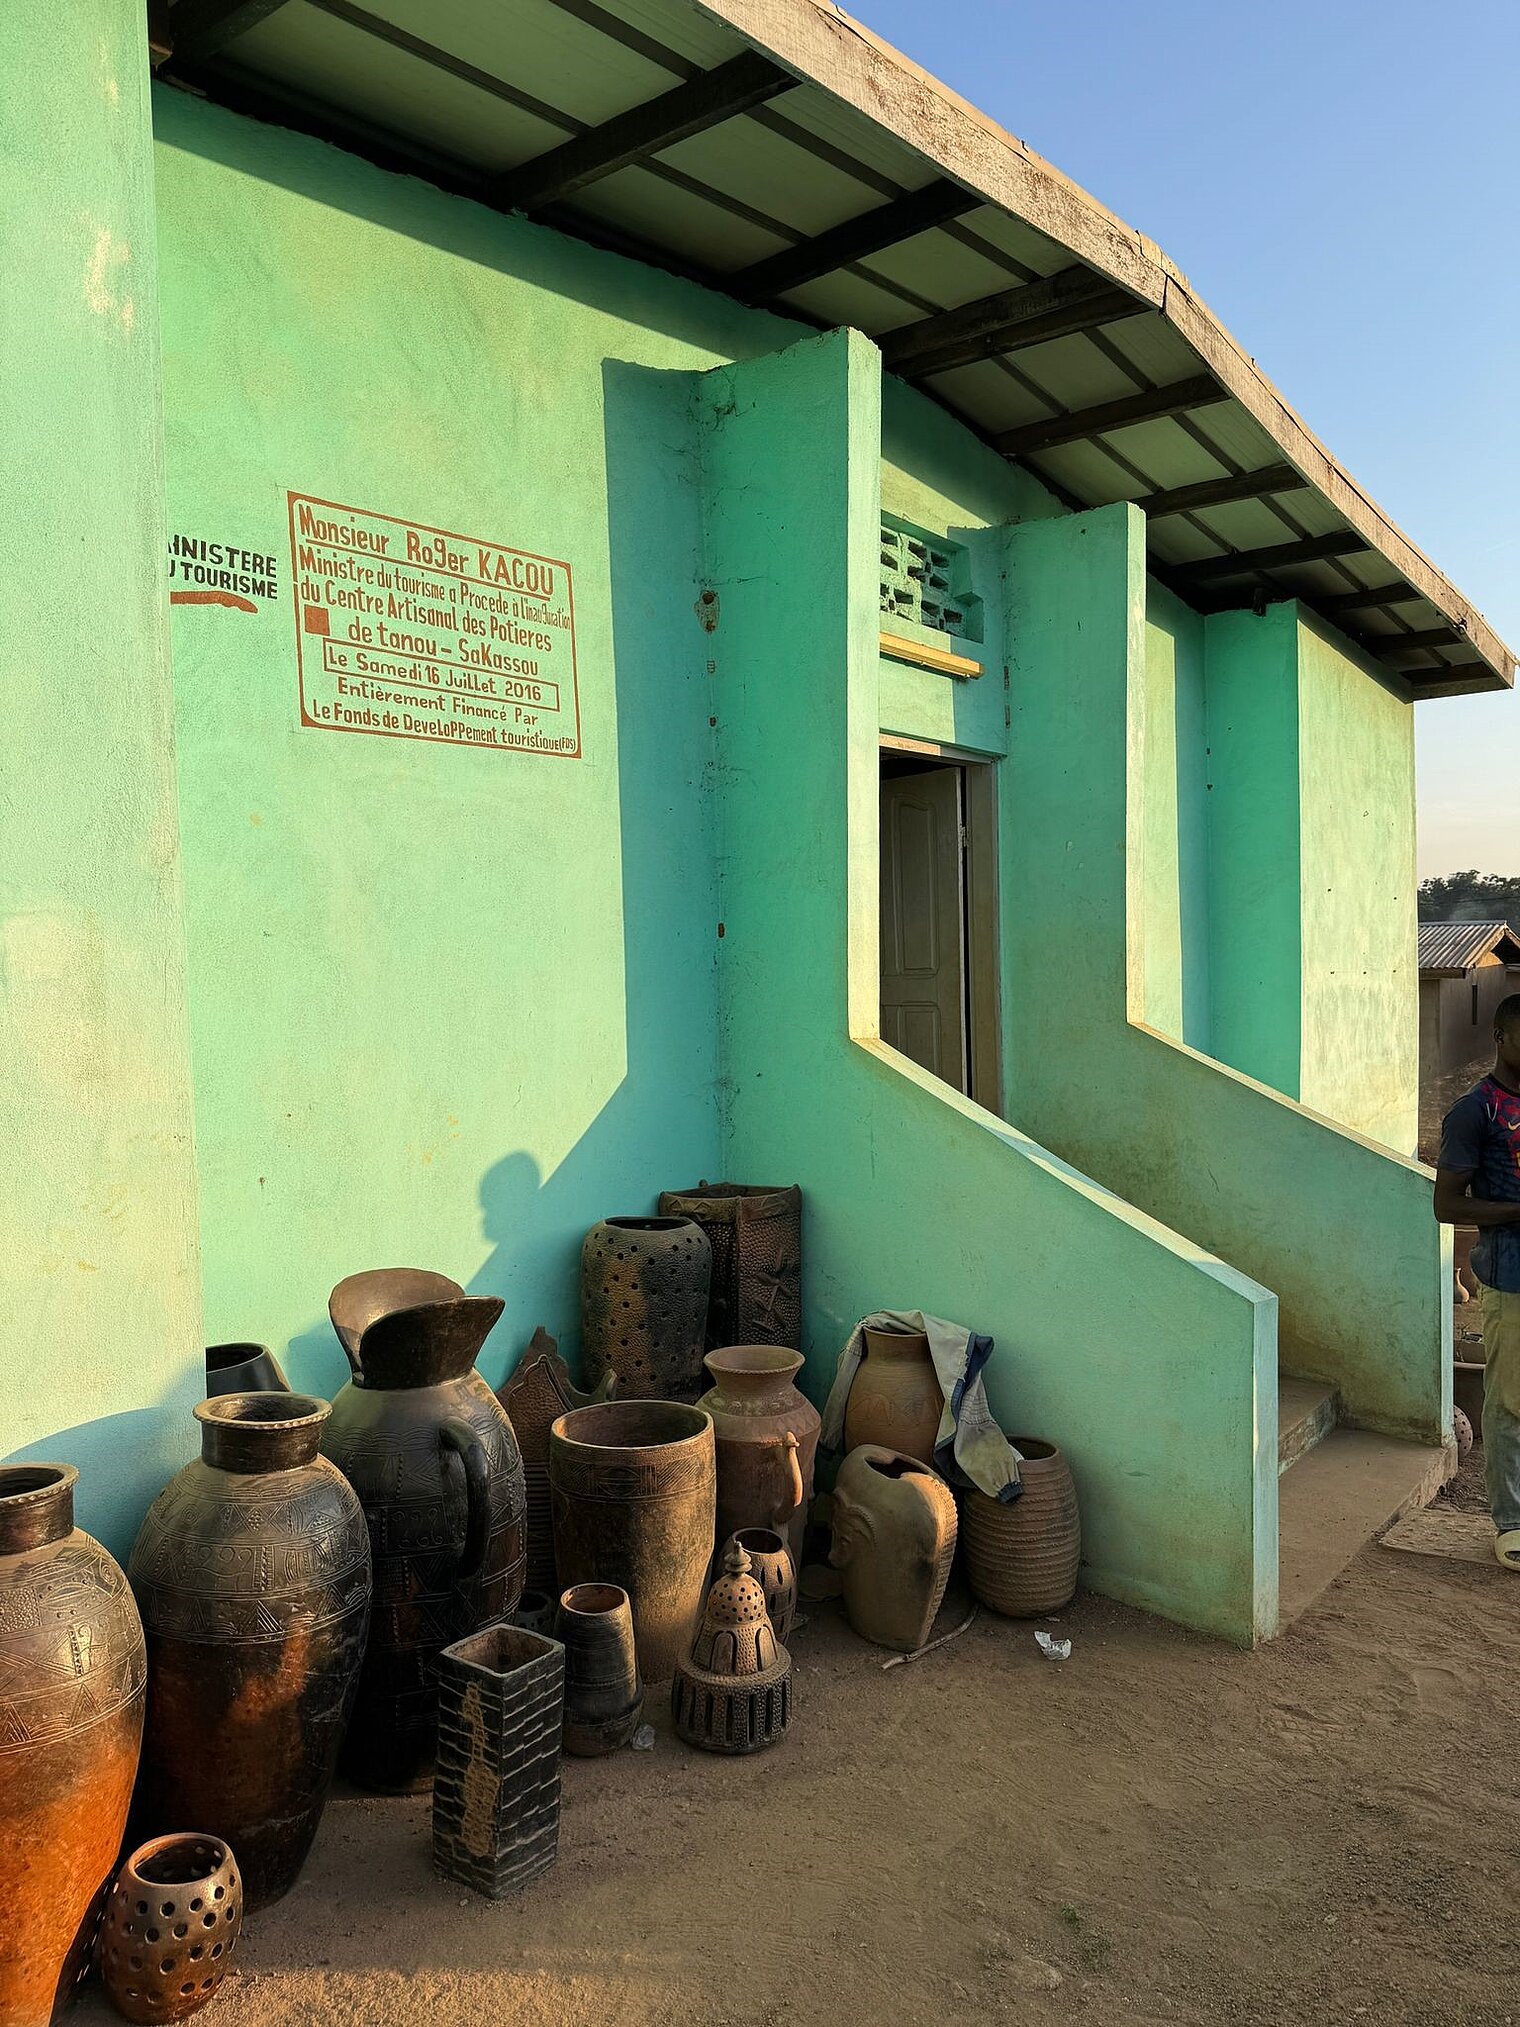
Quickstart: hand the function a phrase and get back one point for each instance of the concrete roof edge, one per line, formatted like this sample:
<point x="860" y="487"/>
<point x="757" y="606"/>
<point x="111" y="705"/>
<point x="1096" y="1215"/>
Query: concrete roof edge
<point x="827" y="47"/>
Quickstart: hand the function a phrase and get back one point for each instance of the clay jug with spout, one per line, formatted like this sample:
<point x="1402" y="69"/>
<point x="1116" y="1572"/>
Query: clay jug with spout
<point x="430" y="1451"/>
<point x="767" y="1437"/>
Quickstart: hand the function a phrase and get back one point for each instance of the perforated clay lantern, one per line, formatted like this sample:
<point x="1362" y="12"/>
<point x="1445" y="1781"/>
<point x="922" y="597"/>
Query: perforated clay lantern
<point x="734" y="1695"/>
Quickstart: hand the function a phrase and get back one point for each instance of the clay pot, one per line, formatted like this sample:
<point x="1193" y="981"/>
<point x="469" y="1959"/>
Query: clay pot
<point x="756" y="1238"/>
<point x="772" y="1566"/>
<point x="633" y="1490"/>
<point x="72" y="1674"/>
<point x="1022" y="1556"/>
<point x="252" y="1572"/>
<point x="895" y="1400"/>
<point x="767" y="1439"/>
<point x="604" y="1695"/>
<point x="1467" y="1380"/>
<point x="429" y="1450"/>
<point x="496" y="1789"/>
<point x="171" y="1925"/>
<point x="535" y="1612"/>
<point x="1462" y="1430"/>
<point x="644" y="1287"/>
<point x="538" y="1392"/>
<point x="894" y="1539"/>
<point x="734" y="1693"/>
<point x="243" y="1369"/>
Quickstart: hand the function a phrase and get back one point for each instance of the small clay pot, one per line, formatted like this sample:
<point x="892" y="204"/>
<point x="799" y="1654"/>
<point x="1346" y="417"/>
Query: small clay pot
<point x="771" y="1565"/>
<point x="895" y="1400"/>
<point x="1022" y="1556"/>
<point x="894" y="1538"/>
<point x="535" y="1612"/>
<point x="1467" y="1389"/>
<point x="171" y="1923"/>
<point x="1462" y="1429"/>
<point x="604" y="1696"/>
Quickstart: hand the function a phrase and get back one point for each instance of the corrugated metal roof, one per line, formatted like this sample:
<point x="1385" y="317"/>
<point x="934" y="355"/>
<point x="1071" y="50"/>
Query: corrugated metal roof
<point x="1453" y="946"/>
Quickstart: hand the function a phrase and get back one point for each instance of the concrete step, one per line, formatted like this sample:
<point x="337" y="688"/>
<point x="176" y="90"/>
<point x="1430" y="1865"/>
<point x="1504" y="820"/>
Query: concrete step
<point x="1305" y="1416"/>
<point x="1344" y="1491"/>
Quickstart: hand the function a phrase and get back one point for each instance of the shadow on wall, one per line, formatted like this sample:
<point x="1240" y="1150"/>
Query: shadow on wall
<point x="124" y="1461"/>
<point x="659" y="1130"/>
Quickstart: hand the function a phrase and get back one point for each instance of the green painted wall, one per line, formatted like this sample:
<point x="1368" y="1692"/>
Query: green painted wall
<point x="1176" y="968"/>
<point x="448" y="1006"/>
<point x="1337" y="1225"/>
<point x="1164" y="1397"/>
<point x="100" y="1357"/>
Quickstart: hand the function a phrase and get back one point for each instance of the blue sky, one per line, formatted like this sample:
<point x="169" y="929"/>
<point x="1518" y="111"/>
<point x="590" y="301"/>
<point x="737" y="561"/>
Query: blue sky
<point x="1339" y="181"/>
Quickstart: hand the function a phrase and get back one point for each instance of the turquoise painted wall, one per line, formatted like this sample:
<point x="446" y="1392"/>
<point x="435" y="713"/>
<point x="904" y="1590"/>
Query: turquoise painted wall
<point x="100" y="1354"/>
<point x="1165" y="1396"/>
<point x="1336" y="1224"/>
<point x="1174" y="928"/>
<point x="448" y="1006"/>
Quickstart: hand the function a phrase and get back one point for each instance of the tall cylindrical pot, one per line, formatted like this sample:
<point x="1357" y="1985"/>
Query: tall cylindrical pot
<point x="755" y="1232"/>
<point x="633" y="1485"/>
<point x="644" y="1289"/>
<point x="252" y="1572"/>
<point x="429" y="1450"/>
<point x="604" y="1692"/>
<point x="1022" y="1557"/>
<point x="766" y="1434"/>
<point x="72" y="1673"/>
<point x="895" y="1400"/>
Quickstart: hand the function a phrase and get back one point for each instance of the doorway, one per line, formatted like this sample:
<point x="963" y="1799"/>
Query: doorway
<point x="939" y="999"/>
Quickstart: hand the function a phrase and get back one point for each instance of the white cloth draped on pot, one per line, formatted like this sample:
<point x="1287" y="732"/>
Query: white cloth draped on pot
<point x="968" y="1437"/>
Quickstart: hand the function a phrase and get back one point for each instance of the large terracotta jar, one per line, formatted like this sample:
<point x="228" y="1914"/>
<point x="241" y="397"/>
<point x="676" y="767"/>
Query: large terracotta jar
<point x="1022" y="1556"/>
<point x="429" y="1450"/>
<point x="894" y="1539"/>
<point x="767" y="1439"/>
<point x="72" y="1673"/>
<point x="633" y="1486"/>
<point x="644" y="1289"/>
<point x="755" y="1232"/>
<point x="895" y="1400"/>
<point x="252" y="1572"/>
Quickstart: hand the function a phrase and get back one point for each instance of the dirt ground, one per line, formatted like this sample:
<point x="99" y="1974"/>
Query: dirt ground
<point x="1159" y="1829"/>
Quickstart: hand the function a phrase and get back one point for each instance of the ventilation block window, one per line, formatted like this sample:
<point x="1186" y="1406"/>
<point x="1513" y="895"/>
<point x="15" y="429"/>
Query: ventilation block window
<point x="926" y="580"/>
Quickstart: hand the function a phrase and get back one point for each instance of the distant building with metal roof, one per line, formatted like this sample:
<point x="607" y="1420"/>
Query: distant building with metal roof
<point x="1448" y="949"/>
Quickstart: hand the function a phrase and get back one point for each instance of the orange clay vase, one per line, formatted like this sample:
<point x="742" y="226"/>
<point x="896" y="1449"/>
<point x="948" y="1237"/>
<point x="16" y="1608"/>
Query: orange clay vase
<point x="894" y="1539"/>
<point x="766" y="1434"/>
<point x="73" y="1670"/>
<point x="895" y="1399"/>
<point x="1022" y="1557"/>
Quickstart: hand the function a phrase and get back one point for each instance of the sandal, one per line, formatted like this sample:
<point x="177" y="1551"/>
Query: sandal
<point x="1507" y="1549"/>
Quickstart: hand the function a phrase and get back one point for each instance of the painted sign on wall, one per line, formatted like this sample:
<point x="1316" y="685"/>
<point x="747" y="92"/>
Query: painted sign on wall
<point x="409" y="632"/>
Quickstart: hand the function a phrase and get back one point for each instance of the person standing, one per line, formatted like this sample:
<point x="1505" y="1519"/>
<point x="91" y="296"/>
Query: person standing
<point x="1478" y="1183"/>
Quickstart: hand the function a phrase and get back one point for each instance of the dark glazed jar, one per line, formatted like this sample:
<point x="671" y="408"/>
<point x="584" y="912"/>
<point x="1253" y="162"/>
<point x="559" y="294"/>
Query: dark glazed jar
<point x="253" y="1575"/>
<point x="429" y="1450"/>
<point x="72" y="1672"/>
<point x="644" y="1290"/>
<point x="243" y="1369"/>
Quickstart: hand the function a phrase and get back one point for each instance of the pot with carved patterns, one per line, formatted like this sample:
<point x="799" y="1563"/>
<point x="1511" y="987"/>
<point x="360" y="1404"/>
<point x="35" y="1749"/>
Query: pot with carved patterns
<point x="72" y="1674"/>
<point x="430" y="1451"/>
<point x="252" y="1571"/>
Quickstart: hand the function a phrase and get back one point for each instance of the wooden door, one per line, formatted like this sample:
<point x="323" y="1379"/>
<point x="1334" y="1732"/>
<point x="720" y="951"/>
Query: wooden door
<point x="923" y="920"/>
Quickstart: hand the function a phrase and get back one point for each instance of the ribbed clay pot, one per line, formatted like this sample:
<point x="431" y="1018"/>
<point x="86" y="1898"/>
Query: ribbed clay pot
<point x="772" y="1567"/>
<point x="894" y="1539"/>
<point x="171" y="1924"/>
<point x="756" y="1237"/>
<point x="496" y="1790"/>
<point x="895" y="1400"/>
<point x="72" y="1673"/>
<point x="535" y="1396"/>
<point x="1022" y="1556"/>
<point x="604" y="1693"/>
<point x="243" y="1369"/>
<point x="429" y="1450"/>
<point x="633" y="1486"/>
<point x="767" y="1439"/>
<point x="252" y="1572"/>
<point x="644" y="1288"/>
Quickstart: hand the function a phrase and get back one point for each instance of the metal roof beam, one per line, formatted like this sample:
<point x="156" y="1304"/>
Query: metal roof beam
<point x="1386" y="644"/>
<point x="1257" y="485"/>
<point x="686" y="109"/>
<point x="1057" y="307"/>
<point x="872" y="232"/>
<point x="197" y="29"/>
<point x="1341" y="602"/>
<point x="1150" y="405"/>
<point x="1279" y="556"/>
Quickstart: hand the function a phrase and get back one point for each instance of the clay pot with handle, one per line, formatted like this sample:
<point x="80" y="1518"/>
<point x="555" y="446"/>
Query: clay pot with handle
<point x="430" y="1451"/>
<point x="767" y="1438"/>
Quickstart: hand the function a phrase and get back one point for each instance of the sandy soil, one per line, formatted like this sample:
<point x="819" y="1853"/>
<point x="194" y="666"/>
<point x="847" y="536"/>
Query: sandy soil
<point x="1158" y="1830"/>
